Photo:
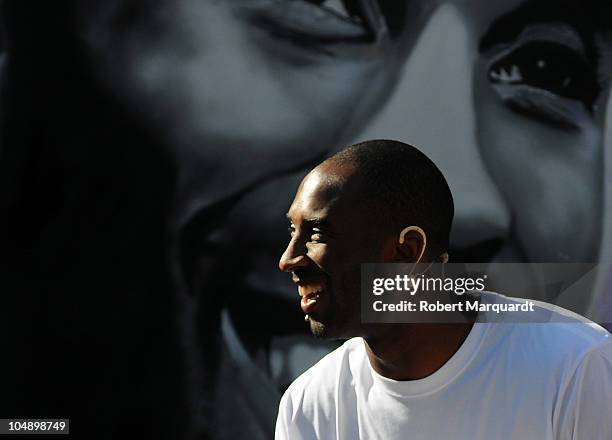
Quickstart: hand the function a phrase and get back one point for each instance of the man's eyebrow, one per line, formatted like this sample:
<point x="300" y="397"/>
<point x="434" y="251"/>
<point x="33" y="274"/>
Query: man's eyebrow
<point x="586" y="17"/>
<point x="313" y="221"/>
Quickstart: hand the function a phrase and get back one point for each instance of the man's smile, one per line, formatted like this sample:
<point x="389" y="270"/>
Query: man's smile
<point x="310" y="293"/>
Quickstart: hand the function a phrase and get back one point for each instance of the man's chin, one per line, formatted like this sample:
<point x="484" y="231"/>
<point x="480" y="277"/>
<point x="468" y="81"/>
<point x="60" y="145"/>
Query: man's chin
<point x="322" y="330"/>
<point x="317" y="328"/>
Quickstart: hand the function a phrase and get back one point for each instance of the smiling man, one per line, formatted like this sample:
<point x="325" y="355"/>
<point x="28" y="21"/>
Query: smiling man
<point x="386" y="202"/>
<point x="339" y="219"/>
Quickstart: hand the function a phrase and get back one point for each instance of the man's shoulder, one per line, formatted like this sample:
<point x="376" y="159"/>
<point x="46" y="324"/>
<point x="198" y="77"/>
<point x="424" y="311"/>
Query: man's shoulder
<point x="553" y="330"/>
<point x="322" y="378"/>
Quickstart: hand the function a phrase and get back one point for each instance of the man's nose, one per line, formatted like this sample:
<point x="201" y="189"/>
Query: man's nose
<point x="433" y="108"/>
<point x="293" y="257"/>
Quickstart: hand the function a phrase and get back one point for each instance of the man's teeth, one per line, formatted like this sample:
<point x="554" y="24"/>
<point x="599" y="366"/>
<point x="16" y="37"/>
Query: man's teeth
<point x="312" y="300"/>
<point x="310" y="289"/>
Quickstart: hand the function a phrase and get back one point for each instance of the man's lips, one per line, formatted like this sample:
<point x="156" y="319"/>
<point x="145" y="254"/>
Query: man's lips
<point x="310" y="293"/>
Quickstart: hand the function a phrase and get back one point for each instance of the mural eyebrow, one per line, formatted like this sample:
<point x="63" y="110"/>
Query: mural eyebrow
<point x="585" y="17"/>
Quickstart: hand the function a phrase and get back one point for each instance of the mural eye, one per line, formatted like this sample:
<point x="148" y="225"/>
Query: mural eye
<point x="311" y="23"/>
<point x="347" y="9"/>
<point x="550" y="67"/>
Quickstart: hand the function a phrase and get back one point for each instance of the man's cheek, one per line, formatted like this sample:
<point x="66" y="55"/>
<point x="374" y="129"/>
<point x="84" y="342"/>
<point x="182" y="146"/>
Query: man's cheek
<point x="328" y="259"/>
<point x="351" y="284"/>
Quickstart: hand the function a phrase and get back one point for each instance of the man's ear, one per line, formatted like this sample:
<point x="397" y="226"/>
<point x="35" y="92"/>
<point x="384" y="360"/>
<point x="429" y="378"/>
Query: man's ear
<point x="411" y="245"/>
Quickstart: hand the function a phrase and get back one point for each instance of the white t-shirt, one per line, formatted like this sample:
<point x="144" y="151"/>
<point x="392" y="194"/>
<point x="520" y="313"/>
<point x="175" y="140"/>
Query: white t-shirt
<point x="507" y="381"/>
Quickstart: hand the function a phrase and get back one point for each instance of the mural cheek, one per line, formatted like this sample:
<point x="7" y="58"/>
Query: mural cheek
<point x="433" y="107"/>
<point x="223" y="91"/>
<point x="550" y="177"/>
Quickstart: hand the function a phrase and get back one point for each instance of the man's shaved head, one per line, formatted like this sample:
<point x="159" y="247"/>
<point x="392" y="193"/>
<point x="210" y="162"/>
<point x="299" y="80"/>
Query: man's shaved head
<point x="403" y="183"/>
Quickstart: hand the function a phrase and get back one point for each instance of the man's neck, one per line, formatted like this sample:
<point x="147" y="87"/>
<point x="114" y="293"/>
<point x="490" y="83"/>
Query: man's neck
<point x="415" y="351"/>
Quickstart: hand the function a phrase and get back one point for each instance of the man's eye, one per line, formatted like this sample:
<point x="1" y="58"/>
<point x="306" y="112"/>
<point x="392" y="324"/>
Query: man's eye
<point x="291" y="231"/>
<point x="317" y="235"/>
<point x="548" y="66"/>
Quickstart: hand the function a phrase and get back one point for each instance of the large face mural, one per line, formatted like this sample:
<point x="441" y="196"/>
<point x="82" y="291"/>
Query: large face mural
<point x="243" y="90"/>
<point x="509" y="98"/>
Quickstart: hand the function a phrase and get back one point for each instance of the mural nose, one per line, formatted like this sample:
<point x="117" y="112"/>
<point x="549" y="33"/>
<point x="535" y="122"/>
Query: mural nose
<point x="433" y="109"/>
